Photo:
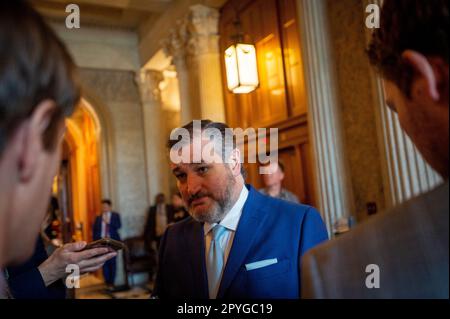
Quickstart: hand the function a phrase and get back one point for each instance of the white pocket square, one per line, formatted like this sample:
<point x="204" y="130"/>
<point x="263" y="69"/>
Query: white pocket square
<point x="261" y="264"/>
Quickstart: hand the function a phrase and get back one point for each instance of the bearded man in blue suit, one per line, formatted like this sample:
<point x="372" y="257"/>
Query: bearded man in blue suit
<point x="237" y="243"/>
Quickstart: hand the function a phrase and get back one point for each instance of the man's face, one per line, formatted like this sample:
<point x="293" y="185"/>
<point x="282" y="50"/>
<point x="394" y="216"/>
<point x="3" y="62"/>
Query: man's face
<point x="275" y="178"/>
<point x="207" y="188"/>
<point x="160" y="199"/>
<point x="106" y="208"/>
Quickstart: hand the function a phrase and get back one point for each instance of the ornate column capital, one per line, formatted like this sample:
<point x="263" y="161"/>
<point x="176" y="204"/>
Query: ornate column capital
<point x="203" y="24"/>
<point x="148" y="82"/>
<point x="175" y="45"/>
<point x="193" y="45"/>
<point x="195" y="34"/>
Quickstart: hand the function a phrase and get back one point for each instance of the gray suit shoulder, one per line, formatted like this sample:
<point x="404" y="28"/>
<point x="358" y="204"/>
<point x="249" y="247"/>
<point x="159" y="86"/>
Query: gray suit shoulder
<point x="408" y="243"/>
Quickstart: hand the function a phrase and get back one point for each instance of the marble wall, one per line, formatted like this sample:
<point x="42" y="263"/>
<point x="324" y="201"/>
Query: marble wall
<point x="101" y="47"/>
<point x="118" y="92"/>
<point x="357" y="105"/>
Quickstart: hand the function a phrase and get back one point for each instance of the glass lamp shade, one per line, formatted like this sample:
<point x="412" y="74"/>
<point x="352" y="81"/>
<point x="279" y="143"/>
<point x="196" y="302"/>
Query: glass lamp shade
<point x="241" y="68"/>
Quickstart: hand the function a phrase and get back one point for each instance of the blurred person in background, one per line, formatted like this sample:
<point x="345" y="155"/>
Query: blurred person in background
<point x="273" y="184"/>
<point x="179" y="211"/>
<point x="107" y="225"/>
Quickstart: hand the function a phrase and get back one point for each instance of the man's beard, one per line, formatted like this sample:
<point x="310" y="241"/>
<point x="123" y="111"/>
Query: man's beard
<point x="218" y="208"/>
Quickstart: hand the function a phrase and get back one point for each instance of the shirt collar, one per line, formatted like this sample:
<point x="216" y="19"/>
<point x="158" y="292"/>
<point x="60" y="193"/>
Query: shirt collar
<point x="231" y="219"/>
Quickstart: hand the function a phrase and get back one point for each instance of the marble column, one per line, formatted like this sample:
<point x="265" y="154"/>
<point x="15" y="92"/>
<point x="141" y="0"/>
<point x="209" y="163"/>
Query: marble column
<point x="332" y="187"/>
<point x="154" y="132"/>
<point x="194" y="47"/>
<point x="406" y="174"/>
<point x="175" y="46"/>
<point x="204" y="44"/>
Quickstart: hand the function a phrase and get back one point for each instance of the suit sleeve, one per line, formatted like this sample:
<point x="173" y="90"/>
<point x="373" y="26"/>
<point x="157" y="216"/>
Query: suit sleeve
<point x="311" y="281"/>
<point x="313" y="231"/>
<point x="30" y="285"/>
<point x="95" y="230"/>
<point x="119" y="222"/>
<point x="25" y="281"/>
<point x="147" y="230"/>
<point x="150" y="225"/>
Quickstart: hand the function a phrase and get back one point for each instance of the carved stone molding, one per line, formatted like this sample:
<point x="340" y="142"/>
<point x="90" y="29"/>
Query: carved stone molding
<point x="176" y="43"/>
<point x="193" y="45"/>
<point x="196" y="34"/>
<point x="203" y="24"/>
<point x="148" y="82"/>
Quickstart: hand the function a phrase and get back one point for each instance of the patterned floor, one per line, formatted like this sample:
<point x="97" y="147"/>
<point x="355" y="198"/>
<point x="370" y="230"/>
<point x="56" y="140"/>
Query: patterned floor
<point x="92" y="287"/>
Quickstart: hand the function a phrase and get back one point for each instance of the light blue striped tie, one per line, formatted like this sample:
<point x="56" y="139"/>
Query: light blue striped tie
<point x="214" y="262"/>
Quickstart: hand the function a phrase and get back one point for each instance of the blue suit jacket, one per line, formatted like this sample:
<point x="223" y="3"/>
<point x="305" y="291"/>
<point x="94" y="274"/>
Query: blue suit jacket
<point x="114" y="226"/>
<point x="269" y="228"/>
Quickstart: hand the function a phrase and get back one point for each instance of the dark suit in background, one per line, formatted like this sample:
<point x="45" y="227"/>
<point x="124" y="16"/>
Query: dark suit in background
<point x="109" y="268"/>
<point x="25" y="281"/>
<point x="179" y="213"/>
<point x="408" y="243"/>
<point x="150" y="225"/>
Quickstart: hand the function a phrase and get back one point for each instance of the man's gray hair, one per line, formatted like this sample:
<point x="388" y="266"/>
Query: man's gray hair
<point x="217" y="131"/>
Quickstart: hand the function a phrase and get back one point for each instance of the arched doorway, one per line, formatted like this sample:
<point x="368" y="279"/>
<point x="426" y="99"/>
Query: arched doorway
<point x="78" y="186"/>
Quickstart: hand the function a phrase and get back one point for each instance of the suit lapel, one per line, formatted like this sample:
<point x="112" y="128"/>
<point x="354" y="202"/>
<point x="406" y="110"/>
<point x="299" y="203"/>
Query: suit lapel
<point x="249" y="225"/>
<point x="112" y="221"/>
<point x="195" y="252"/>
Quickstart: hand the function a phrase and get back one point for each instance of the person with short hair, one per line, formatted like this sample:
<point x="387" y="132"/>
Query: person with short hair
<point x="403" y="253"/>
<point x="273" y="183"/>
<point x="236" y="243"/>
<point x="39" y="88"/>
<point x="179" y="211"/>
<point x="159" y="216"/>
<point x="107" y="225"/>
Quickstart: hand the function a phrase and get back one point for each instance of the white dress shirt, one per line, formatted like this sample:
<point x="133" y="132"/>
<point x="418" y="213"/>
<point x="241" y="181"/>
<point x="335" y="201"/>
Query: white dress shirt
<point x="230" y="222"/>
<point x="106" y="218"/>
